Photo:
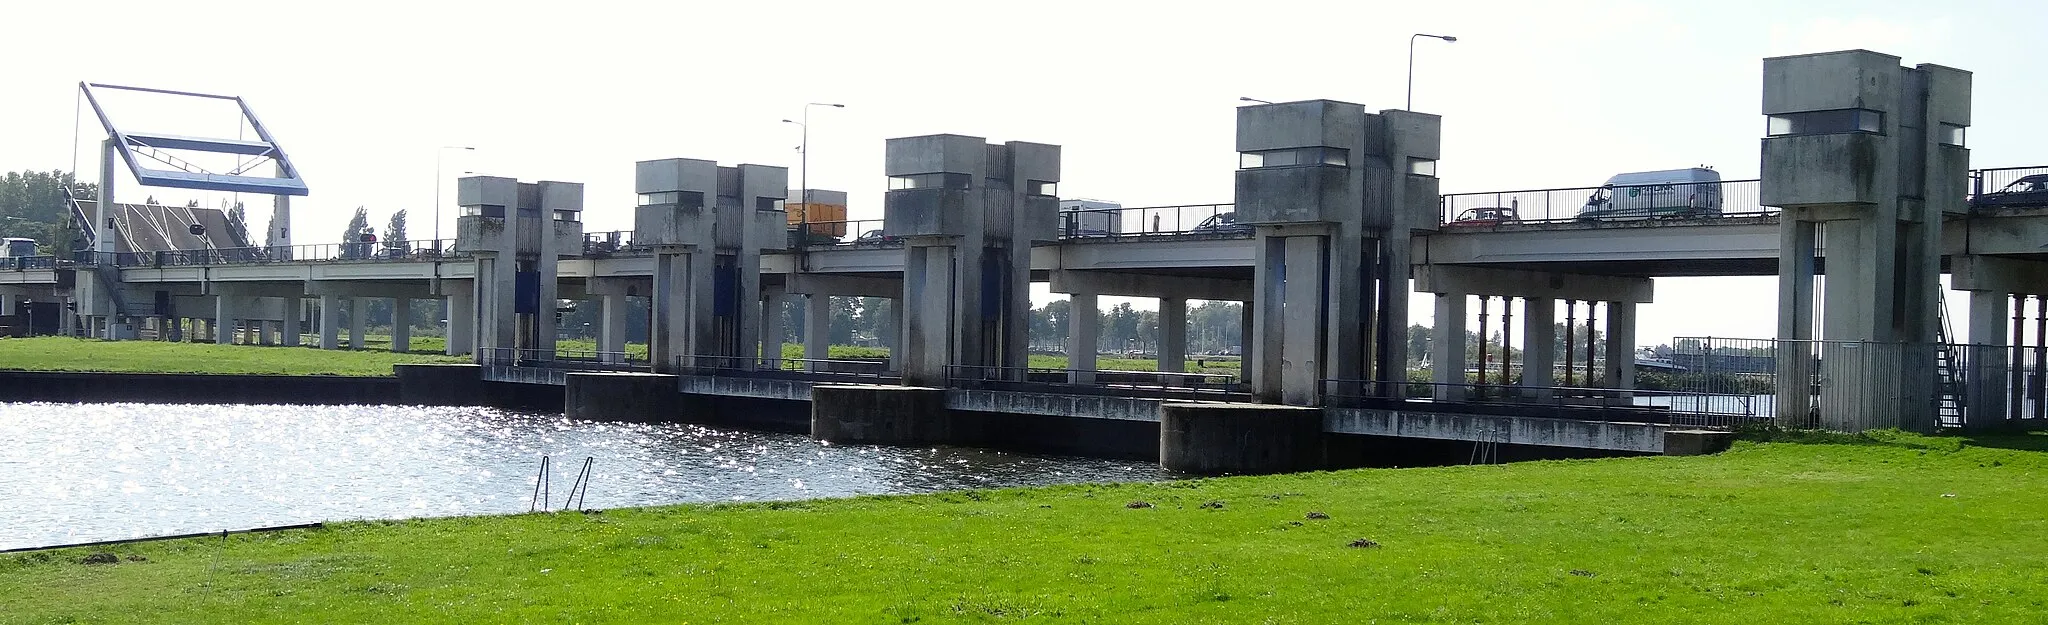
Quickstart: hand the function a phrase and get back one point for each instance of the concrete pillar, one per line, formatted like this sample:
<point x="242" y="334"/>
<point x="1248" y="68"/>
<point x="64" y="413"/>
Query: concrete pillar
<point x="1241" y="439"/>
<point x="633" y="397"/>
<point x="177" y="330"/>
<point x="1173" y="334"/>
<point x="266" y="332"/>
<point x="1084" y="334"/>
<point x="668" y="330"/>
<point x="294" y="316"/>
<point x="929" y="296"/>
<point x="67" y="322"/>
<point x="1794" y="374"/>
<point x="880" y="415"/>
<point x="817" y="326"/>
<point x="1302" y="350"/>
<point x="330" y="322"/>
<point x="358" y="321"/>
<point x="1539" y="346"/>
<point x="224" y="320"/>
<point x="1447" y="347"/>
<point x="461" y="322"/>
<point x="1988" y="375"/>
<point x="773" y="334"/>
<point x="611" y="331"/>
<point x="401" y="325"/>
<point x="6" y="304"/>
<point x="1621" y="345"/>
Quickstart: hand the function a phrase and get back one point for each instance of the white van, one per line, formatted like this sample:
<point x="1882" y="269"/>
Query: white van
<point x="1694" y="192"/>
<point x="15" y="246"/>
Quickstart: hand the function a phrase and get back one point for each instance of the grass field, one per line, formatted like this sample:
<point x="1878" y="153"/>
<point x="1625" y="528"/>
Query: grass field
<point x="1892" y="529"/>
<point x="51" y="353"/>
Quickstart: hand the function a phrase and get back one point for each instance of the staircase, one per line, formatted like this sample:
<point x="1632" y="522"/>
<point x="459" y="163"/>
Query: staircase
<point x="1949" y="388"/>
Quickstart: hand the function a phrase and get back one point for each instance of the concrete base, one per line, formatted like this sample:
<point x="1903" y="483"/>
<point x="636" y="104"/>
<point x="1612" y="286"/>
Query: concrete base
<point x="441" y="385"/>
<point x="1242" y="439"/>
<point x="1696" y="442"/>
<point x="636" y="397"/>
<point x="880" y="415"/>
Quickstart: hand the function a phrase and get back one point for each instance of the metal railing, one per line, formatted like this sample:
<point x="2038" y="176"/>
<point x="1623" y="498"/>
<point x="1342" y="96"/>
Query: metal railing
<point x="27" y="263"/>
<point x="1141" y="221"/>
<point x="1141" y="384"/>
<point x="613" y="243"/>
<point x="1991" y="180"/>
<point x="843" y="232"/>
<point x="1737" y="198"/>
<point x="413" y="250"/>
<point x="813" y="369"/>
<point x="1676" y="408"/>
<point x="1854" y="386"/>
<point x="560" y="359"/>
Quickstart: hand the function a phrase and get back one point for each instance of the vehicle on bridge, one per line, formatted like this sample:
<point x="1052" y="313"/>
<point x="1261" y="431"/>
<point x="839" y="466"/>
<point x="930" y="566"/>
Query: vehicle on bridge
<point x="2028" y="191"/>
<point x="17" y="247"/>
<point x="1222" y="223"/>
<point x="1485" y="217"/>
<point x="1671" y="193"/>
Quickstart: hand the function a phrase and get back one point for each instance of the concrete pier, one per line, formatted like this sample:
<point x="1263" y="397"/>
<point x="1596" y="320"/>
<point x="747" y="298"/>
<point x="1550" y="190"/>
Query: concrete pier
<point x="441" y="384"/>
<point x="1242" y="439"/>
<point x="880" y="415"/>
<point x="635" y="397"/>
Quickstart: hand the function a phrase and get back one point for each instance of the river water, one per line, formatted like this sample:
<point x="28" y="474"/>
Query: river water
<point x="85" y="472"/>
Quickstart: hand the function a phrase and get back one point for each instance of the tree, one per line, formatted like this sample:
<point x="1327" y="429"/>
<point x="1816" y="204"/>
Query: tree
<point x="351" y="238"/>
<point x="33" y="205"/>
<point x="394" y="233"/>
<point x="1418" y="343"/>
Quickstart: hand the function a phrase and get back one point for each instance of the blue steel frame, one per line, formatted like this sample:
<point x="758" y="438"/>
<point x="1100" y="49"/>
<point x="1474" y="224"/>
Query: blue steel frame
<point x="287" y="183"/>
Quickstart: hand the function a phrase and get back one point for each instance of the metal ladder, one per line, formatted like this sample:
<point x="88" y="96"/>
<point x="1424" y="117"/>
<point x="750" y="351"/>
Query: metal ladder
<point x="1948" y="383"/>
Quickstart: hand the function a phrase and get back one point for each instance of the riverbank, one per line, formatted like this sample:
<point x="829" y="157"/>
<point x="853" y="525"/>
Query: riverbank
<point x="53" y="353"/>
<point x="1887" y="529"/>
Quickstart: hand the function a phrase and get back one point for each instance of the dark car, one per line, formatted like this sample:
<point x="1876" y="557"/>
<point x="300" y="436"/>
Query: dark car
<point x="1222" y="223"/>
<point x="2027" y="191"/>
<point x="1483" y="217"/>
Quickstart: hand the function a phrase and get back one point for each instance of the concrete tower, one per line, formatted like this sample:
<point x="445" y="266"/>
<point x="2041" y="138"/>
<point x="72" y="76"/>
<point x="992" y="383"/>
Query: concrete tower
<point x="708" y="225"/>
<point x="516" y="232"/>
<point x="968" y="212"/>
<point x="1866" y="155"/>
<point x="1334" y="193"/>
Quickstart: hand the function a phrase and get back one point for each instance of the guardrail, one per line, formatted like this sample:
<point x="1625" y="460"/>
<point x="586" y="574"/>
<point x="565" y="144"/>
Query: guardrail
<point x="1677" y="408"/>
<point x="413" y="250"/>
<point x="27" y="263"/>
<point x="843" y="232"/>
<point x="560" y="359"/>
<point x="613" y="243"/>
<point x="814" y="369"/>
<point x="1622" y="203"/>
<point x="1140" y="221"/>
<point x="1142" y="384"/>
<point x="1997" y="178"/>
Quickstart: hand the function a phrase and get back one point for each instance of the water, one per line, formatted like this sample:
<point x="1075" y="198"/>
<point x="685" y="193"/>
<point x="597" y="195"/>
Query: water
<point x="74" y="473"/>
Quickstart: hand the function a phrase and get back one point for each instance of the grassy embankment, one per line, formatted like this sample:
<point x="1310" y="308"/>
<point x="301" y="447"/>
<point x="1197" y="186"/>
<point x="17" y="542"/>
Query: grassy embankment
<point x="1890" y="529"/>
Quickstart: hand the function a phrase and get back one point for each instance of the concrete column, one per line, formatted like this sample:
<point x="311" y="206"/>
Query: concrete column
<point x="773" y="335"/>
<point x="1447" y="347"/>
<point x="1173" y="334"/>
<point x="1301" y="355"/>
<point x="358" y="321"/>
<point x="67" y="323"/>
<point x="6" y="304"/>
<point x="461" y="322"/>
<point x="611" y="333"/>
<point x="880" y="415"/>
<point x="266" y="333"/>
<point x="1988" y="373"/>
<point x="1084" y="333"/>
<point x="1621" y="345"/>
<point x="330" y="322"/>
<point x="294" y="315"/>
<point x="668" y="330"/>
<point x="929" y="296"/>
<point x="224" y="320"/>
<point x="1539" y="346"/>
<point x="401" y="324"/>
<point x="1240" y="439"/>
<point x="1262" y="327"/>
<point x="817" y="326"/>
<point x="177" y="330"/>
<point x="1794" y="374"/>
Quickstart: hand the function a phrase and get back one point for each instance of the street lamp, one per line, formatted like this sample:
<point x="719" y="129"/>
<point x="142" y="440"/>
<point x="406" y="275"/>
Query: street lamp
<point x="437" y="189"/>
<point x="1249" y="99"/>
<point x="804" y="150"/>
<point x="1411" y="62"/>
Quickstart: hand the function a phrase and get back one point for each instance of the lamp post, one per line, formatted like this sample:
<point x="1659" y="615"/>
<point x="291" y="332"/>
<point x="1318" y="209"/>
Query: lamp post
<point x="1250" y="99"/>
<point x="804" y="161"/>
<point x="437" y="189"/>
<point x="1411" y="62"/>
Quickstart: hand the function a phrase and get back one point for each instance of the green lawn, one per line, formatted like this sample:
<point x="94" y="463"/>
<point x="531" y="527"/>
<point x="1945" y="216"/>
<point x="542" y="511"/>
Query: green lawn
<point x="51" y="353"/>
<point x="1891" y="530"/>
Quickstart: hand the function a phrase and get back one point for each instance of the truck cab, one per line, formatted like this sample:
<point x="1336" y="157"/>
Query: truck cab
<point x="1671" y="193"/>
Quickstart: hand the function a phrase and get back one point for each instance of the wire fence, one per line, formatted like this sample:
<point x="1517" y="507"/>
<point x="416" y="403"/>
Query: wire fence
<point x="1696" y="409"/>
<point x="1854" y="386"/>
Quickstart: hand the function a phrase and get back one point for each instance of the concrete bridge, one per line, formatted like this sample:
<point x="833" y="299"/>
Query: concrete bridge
<point x="1336" y="209"/>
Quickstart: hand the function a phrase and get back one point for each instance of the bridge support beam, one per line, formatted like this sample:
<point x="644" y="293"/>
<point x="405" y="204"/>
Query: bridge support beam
<point x="817" y="326"/>
<point x="358" y="322"/>
<point x="1621" y="345"/>
<point x="401" y="325"/>
<point x="1447" y="347"/>
<point x="294" y="317"/>
<point x="330" y="322"/>
<point x="461" y="329"/>
<point x="773" y="332"/>
<point x="1239" y="439"/>
<point x="1539" y="346"/>
<point x="1988" y="360"/>
<point x="612" y="322"/>
<point x="224" y="319"/>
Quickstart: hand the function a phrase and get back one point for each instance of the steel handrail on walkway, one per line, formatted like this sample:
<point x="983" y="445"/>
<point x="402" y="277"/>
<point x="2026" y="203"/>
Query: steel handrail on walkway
<point x="1677" y="408"/>
<point x="1736" y="198"/>
<point x="810" y="369"/>
<point x="1140" y="384"/>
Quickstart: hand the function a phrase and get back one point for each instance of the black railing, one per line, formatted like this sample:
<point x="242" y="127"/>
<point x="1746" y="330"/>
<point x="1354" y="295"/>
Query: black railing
<point x="614" y="243"/>
<point x="1697" y="200"/>
<point x="561" y="359"/>
<point x="1677" y="408"/>
<point x="1142" y="221"/>
<point x="27" y="263"/>
<point x="812" y="369"/>
<point x="413" y="250"/>
<point x="1141" y="384"/>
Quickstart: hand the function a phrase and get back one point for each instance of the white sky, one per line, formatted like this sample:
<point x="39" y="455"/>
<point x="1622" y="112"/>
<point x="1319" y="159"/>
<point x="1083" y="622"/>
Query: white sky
<point x="1140" y="94"/>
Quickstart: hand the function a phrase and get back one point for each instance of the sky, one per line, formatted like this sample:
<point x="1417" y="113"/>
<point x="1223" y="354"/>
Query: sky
<point x="1140" y="94"/>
